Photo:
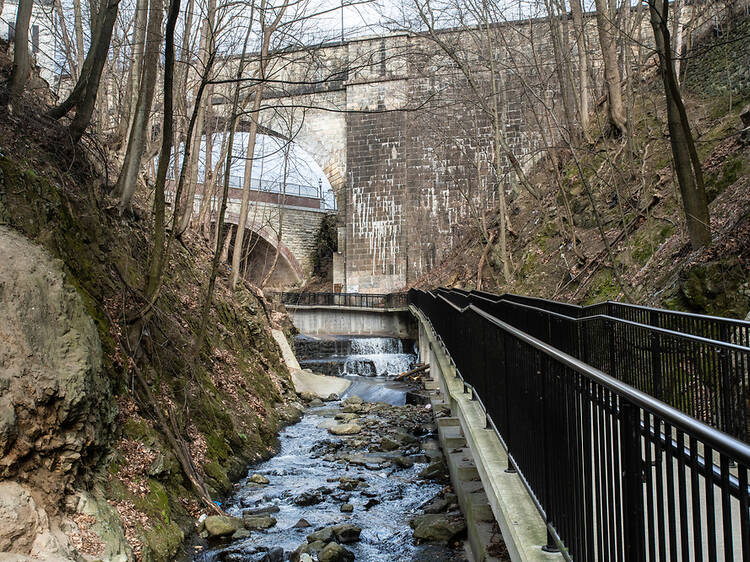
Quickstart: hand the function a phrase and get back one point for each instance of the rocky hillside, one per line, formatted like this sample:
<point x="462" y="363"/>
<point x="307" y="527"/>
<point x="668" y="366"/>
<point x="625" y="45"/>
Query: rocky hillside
<point x="104" y="441"/>
<point x="557" y="250"/>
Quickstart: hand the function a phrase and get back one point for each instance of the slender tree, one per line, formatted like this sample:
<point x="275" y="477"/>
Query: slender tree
<point x="607" y="40"/>
<point x="84" y="93"/>
<point x="268" y="28"/>
<point x="686" y="161"/>
<point x="131" y="166"/>
<point x="19" y="74"/>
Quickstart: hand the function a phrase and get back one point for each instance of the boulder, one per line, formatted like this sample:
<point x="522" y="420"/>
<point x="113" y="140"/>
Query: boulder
<point x="261" y="510"/>
<point x="402" y="462"/>
<point x="438" y="527"/>
<point x="346" y="533"/>
<point x="259" y="479"/>
<point x="324" y="535"/>
<point x="334" y="552"/>
<point x="316" y="546"/>
<point x="312" y="497"/>
<point x="258" y="522"/>
<point x="299" y="552"/>
<point x="436" y="470"/>
<point x="241" y="534"/>
<point x="388" y="444"/>
<point x="222" y="525"/>
<point x="276" y="554"/>
<point x="316" y="402"/>
<point x="302" y="524"/>
<point x="345" y="417"/>
<point x="348" y="484"/>
<point x="347" y="508"/>
<point x="345" y="429"/>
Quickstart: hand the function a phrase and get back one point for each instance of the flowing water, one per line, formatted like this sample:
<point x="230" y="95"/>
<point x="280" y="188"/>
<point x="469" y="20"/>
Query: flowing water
<point x="382" y="508"/>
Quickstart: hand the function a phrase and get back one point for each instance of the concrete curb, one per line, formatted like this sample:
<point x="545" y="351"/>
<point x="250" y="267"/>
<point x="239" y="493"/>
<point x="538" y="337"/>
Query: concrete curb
<point x="521" y="525"/>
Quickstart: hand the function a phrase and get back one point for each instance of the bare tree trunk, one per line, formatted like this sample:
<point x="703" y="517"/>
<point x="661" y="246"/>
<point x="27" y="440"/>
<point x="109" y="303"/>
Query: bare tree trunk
<point x="583" y="64"/>
<point x="160" y="253"/>
<point x="128" y="179"/>
<point x="206" y="50"/>
<point x="68" y="46"/>
<point x="686" y="161"/>
<point x="246" y="187"/>
<point x="78" y="25"/>
<point x="677" y="25"/>
<point x="557" y="19"/>
<point x="268" y="31"/>
<point x="606" y="28"/>
<point x="19" y="74"/>
<point x="499" y="133"/>
<point x="136" y="72"/>
<point x="83" y="96"/>
<point x="222" y="253"/>
<point x="282" y="199"/>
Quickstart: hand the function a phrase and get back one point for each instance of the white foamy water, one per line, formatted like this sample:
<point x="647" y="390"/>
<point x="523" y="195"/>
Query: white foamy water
<point x="380" y="357"/>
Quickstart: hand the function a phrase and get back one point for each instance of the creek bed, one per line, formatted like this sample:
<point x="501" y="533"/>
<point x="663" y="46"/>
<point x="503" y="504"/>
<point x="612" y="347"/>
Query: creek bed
<point x="314" y="466"/>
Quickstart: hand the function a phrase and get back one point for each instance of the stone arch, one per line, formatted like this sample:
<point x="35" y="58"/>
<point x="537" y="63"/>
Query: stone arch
<point x="322" y="134"/>
<point x="261" y="244"/>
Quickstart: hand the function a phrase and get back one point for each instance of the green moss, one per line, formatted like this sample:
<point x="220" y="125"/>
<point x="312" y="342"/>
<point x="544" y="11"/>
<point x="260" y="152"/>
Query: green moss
<point x="719" y="288"/>
<point x="138" y="430"/>
<point x="648" y="240"/>
<point x="217" y="473"/>
<point x="162" y="542"/>
<point x="731" y="171"/>
<point x="603" y="287"/>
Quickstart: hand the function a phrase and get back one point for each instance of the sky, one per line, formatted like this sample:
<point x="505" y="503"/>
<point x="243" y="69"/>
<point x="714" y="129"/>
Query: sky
<point x="303" y="175"/>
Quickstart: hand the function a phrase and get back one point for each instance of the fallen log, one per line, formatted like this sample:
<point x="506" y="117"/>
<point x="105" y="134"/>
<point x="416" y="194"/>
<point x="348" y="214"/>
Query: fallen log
<point x="417" y="370"/>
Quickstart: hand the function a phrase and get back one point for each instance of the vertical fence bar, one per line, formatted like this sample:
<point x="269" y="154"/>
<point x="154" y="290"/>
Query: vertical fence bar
<point x="632" y="482"/>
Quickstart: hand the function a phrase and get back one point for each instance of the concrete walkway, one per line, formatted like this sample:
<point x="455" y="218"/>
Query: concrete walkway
<point x="305" y="380"/>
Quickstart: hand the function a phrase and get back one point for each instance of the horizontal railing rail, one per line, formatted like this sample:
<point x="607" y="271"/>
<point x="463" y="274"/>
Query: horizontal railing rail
<point x="358" y="300"/>
<point x="728" y="330"/>
<point x="616" y="474"/>
<point x="707" y="379"/>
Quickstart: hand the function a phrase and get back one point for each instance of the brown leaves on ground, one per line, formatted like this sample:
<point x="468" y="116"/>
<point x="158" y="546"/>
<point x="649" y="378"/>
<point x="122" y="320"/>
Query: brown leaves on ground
<point x="83" y="539"/>
<point x="197" y="446"/>
<point x="133" y="521"/>
<point x="137" y="461"/>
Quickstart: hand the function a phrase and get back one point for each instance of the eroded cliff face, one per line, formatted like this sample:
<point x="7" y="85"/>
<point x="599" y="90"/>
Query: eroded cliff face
<point x="56" y="406"/>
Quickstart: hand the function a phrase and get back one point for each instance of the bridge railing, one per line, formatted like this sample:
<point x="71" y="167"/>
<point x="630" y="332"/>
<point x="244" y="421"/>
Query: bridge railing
<point x="616" y="474"/>
<point x="707" y="379"/>
<point x="728" y="330"/>
<point x="357" y="300"/>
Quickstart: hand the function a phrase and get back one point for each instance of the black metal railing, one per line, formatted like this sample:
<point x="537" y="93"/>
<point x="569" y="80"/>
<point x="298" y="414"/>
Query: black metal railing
<point x="728" y="330"/>
<point x="358" y="300"/>
<point x="707" y="379"/>
<point x="616" y="474"/>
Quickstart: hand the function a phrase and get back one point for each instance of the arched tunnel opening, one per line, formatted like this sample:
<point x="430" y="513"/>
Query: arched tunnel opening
<point x="260" y="256"/>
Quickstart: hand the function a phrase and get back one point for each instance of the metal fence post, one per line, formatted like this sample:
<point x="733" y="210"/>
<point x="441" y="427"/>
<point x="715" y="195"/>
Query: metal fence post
<point x="610" y="325"/>
<point x="658" y="383"/>
<point x="634" y="539"/>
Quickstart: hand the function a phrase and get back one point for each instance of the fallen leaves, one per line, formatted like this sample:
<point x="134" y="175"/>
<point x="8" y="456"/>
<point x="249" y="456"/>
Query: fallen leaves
<point x="83" y="538"/>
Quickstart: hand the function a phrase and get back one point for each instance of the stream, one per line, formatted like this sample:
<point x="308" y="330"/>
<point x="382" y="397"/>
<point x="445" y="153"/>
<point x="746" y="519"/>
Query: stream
<point x="315" y="473"/>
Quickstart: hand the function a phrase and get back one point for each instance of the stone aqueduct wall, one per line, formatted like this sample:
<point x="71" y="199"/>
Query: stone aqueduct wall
<point x="405" y="147"/>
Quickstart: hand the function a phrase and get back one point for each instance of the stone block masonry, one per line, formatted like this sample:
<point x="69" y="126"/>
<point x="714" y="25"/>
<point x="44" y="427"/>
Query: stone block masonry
<point x="408" y="146"/>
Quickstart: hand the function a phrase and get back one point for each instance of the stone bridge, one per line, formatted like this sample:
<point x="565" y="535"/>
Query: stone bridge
<point x="297" y="217"/>
<point x="409" y="155"/>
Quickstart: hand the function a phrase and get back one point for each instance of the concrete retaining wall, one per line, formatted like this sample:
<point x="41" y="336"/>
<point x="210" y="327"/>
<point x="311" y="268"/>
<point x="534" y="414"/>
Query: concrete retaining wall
<point x="523" y="529"/>
<point x="346" y="320"/>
